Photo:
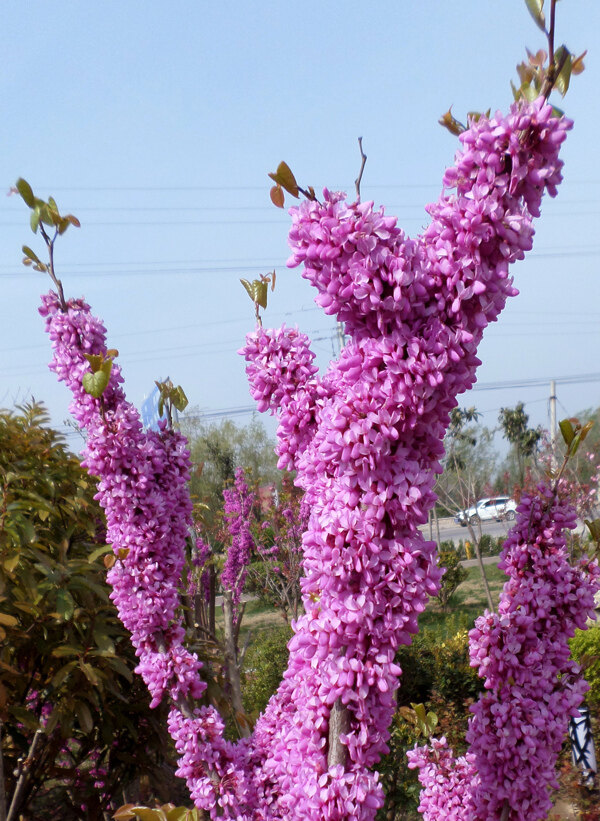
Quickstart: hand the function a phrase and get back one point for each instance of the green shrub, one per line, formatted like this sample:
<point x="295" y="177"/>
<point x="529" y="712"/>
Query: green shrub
<point x="585" y="649"/>
<point x="453" y="577"/>
<point x="264" y="666"/>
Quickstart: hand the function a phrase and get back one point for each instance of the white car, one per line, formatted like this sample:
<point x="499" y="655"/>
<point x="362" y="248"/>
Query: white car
<point x="485" y="510"/>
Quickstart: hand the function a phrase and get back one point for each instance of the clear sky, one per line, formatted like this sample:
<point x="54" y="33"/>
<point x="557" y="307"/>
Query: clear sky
<point x="156" y="124"/>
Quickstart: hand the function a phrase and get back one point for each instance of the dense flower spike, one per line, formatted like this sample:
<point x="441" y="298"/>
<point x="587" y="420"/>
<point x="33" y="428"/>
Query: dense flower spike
<point x="365" y="440"/>
<point x="522" y="653"/>
<point x="448" y="782"/>
<point x="142" y="487"/>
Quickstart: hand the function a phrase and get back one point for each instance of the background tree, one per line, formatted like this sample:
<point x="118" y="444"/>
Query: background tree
<point x="217" y="450"/>
<point x="274" y="575"/>
<point x="525" y="441"/>
<point x="76" y="728"/>
<point x="468" y="465"/>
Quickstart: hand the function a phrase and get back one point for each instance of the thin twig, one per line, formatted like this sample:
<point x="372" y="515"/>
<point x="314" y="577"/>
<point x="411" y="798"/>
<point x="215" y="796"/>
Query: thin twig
<point x="50" y="244"/>
<point x="358" y="180"/>
<point x="23" y="777"/>
<point x="553" y="71"/>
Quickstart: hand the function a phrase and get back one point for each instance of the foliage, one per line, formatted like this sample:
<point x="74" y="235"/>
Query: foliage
<point x="585" y="649"/>
<point x="166" y="812"/>
<point x="453" y="576"/>
<point x="524" y="440"/>
<point x="469" y="463"/>
<point x="66" y="660"/>
<point x="275" y="574"/>
<point x="437" y="674"/>
<point x="265" y="663"/>
<point x="216" y="451"/>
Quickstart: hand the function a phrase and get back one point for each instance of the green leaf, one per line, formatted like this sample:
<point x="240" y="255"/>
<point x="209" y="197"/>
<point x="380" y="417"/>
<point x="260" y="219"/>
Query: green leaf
<point x="89" y="673"/>
<point x="34" y="220"/>
<point x="65" y="605"/>
<point x="574" y="447"/>
<point x="26" y="193"/>
<point x="104" y="642"/>
<point x="419" y="711"/>
<point x="124" y="813"/>
<point x="567" y="430"/>
<point x="31" y="254"/>
<point x="561" y="83"/>
<point x="84" y="716"/>
<point x="432" y="722"/>
<point x="120" y="667"/>
<point x="179" y="399"/>
<point x="529" y="92"/>
<point x="100" y="551"/>
<point x="261" y="293"/>
<point x="149" y="814"/>
<point x="594" y="528"/>
<point x="47" y="215"/>
<point x="63" y="674"/>
<point x="10" y="564"/>
<point x="249" y="288"/>
<point x="25" y="716"/>
<point x="535" y="8"/>
<point x="96" y="383"/>
<point x="95" y="361"/>
<point x="66" y="650"/>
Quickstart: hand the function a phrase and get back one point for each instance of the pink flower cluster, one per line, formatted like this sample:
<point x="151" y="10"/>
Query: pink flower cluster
<point x="365" y="440"/>
<point x="522" y="653"/>
<point x="142" y="486"/>
<point x="238" y="502"/>
<point x="448" y="782"/>
<point x="532" y="686"/>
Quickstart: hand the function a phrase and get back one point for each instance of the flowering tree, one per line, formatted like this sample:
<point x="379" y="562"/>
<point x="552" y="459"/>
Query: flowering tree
<point x="532" y="686"/>
<point x="276" y="573"/>
<point x="365" y="440"/>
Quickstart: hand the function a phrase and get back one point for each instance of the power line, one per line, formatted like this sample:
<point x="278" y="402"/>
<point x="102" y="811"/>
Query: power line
<point x="571" y="379"/>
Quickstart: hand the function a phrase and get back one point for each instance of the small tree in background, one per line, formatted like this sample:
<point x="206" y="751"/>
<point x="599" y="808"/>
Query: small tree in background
<point x="274" y="575"/>
<point x="76" y="728"/>
<point x="525" y="441"/>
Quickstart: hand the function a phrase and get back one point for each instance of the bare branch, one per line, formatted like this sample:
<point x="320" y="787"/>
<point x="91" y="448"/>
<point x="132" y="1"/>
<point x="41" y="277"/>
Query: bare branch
<point x="363" y="156"/>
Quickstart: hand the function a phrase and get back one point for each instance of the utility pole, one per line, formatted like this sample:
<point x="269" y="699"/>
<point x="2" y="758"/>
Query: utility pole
<point x="553" y="415"/>
<point x="341" y="336"/>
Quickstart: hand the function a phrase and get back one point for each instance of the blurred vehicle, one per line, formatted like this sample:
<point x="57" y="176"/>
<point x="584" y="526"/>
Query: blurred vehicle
<point x="498" y="508"/>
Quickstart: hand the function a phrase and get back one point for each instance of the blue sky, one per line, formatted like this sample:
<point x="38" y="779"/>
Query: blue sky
<point x="156" y="124"/>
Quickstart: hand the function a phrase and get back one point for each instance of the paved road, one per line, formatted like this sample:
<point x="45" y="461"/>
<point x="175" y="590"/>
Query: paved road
<point x="450" y="530"/>
<point x="485" y="560"/>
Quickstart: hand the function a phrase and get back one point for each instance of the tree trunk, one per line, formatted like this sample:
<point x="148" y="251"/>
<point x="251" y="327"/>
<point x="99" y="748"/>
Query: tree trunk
<point x="232" y="665"/>
<point x="486" y="586"/>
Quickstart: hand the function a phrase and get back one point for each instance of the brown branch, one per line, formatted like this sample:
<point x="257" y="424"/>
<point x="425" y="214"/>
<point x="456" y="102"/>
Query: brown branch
<point x="553" y="71"/>
<point x="358" y="180"/>
<point x="339" y="724"/>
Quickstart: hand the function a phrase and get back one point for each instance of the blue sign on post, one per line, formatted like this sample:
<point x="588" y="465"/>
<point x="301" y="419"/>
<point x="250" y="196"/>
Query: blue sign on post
<point x="149" y="411"/>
